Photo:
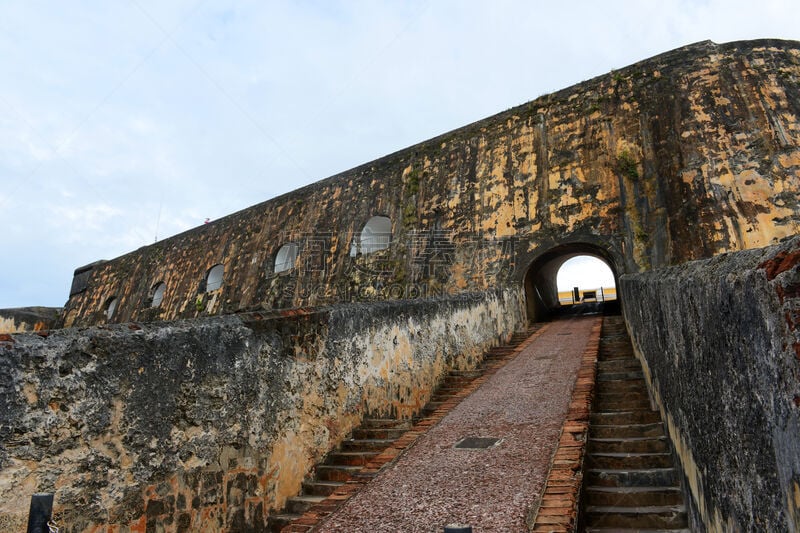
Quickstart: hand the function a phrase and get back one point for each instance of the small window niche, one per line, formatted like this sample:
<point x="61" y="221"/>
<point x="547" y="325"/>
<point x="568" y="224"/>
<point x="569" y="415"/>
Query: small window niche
<point x="157" y="294"/>
<point x="376" y="236"/>
<point x="286" y="257"/>
<point x="214" y="278"/>
<point x="111" y="307"/>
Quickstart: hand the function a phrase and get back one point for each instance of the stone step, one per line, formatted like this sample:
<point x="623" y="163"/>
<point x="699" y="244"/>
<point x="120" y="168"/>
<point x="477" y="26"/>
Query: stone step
<point x="629" y="461"/>
<point x="500" y="351"/>
<point x="623" y="395"/>
<point x="365" y="445"/>
<point x="471" y="374"/>
<point x="298" y="505"/>
<point x="377" y="433"/>
<point x="321" y="488"/>
<point x="656" y="429"/>
<point x="614" y="350"/>
<point x="629" y="445"/>
<point x="618" y="418"/>
<point x="439" y="398"/>
<point x="610" y="353"/>
<point x="448" y="390"/>
<point x="658" y="517"/>
<point x="350" y="458"/>
<point x="617" y="401"/>
<point x="621" y="387"/>
<point x="456" y="383"/>
<point x="385" y="423"/>
<point x="614" y="401"/>
<point x="616" y="407"/>
<point x="634" y="530"/>
<point x="633" y="496"/>
<point x="618" y="364"/>
<point x="336" y="472"/>
<point x="620" y="376"/>
<point x="651" y="477"/>
<point x="276" y="522"/>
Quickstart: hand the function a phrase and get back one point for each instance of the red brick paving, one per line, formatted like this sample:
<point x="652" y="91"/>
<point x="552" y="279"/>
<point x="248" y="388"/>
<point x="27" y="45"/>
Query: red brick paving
<point x="558" y="508"/>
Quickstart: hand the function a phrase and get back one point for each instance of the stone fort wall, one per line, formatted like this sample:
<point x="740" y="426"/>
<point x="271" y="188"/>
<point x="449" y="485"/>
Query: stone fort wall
<point x="682" y="156"/>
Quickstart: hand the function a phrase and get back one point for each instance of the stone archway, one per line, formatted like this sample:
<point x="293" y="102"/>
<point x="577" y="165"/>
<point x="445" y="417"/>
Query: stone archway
<point x="541" y="290"/>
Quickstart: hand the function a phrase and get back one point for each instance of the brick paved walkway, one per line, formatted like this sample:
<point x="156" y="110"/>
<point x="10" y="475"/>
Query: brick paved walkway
<point x="434" y="484"/>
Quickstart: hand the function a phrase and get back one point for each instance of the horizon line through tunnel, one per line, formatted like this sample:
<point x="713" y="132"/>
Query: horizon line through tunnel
<point x="568" y="276"/>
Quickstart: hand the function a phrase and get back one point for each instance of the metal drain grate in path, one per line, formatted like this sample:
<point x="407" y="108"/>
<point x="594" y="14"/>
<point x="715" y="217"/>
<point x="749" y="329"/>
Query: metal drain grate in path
<point x="477" y="443"/>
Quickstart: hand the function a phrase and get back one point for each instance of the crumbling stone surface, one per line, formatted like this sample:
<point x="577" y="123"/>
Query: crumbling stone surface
<point x="719" y="339"/>
<point x="682" y="156"/>
<point x="208" y="424"/>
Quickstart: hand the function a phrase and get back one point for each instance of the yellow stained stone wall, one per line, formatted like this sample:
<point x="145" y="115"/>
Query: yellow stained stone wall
<point x="685" y="155"/>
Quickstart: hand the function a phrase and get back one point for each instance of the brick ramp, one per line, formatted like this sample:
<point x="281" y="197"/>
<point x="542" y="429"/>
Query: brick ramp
<point x="431" y="483"/>
<point x="319" y="498"/>
<point x="377" y="442"/>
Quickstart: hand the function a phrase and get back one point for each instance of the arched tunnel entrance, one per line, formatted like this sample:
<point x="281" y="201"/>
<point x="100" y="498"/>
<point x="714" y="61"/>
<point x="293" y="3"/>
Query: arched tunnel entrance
<point x="541" y="283"/>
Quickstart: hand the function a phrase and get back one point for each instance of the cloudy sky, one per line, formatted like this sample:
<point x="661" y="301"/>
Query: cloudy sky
<point x="130" y="120"/>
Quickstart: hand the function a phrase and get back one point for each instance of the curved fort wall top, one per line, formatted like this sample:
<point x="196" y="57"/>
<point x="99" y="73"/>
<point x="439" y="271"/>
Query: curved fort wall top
<point x="685" y="155"/>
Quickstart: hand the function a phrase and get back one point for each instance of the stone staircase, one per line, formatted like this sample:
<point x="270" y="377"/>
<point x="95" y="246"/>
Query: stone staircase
<point x="456" y="380"/>
<point x="375" y="435"/>
<point x="631" y="482"/>
<point x="365" y="442"/>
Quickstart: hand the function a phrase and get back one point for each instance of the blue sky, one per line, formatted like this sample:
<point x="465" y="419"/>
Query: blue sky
<point x="125" y="121"/>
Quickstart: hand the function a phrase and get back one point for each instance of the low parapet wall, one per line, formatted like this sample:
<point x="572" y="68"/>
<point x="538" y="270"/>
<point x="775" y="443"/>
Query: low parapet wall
<point x="720" y="343"/>
<point x="208" y="424"/>
<point x="24" y="319"/>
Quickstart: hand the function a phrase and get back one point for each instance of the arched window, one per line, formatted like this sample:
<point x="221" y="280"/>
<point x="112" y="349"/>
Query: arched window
<point x="158" y="294"/>
<point x="111" y="306"/>
<point x="286" y="257"/>
<point x="376" y="235"/>
<point x="214" y="277"/>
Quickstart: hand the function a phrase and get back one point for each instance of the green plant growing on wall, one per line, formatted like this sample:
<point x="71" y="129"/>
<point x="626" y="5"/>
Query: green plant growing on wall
<point x="626" y="165"/>
<point x="412" y="183"/>
<point x="409" y="214"/>
<point x="198" y="303"/>
<point x="411" y="189"/>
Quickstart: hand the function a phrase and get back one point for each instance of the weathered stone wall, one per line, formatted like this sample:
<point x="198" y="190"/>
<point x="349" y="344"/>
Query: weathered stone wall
<point x="208" y="424"/>
<point x="28" y="319"/>
<point x="720" y="344"/>
<point x="682" y="156"/>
